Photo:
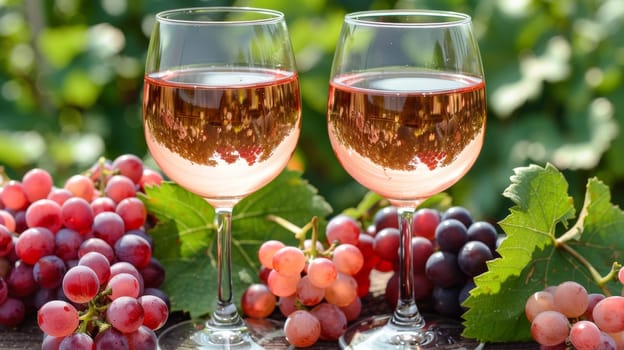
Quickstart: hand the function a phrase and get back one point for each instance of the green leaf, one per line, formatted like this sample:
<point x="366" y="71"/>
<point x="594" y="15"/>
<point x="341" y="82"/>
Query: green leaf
<point x="185" y="236"/>
<point x="543" y="249"/>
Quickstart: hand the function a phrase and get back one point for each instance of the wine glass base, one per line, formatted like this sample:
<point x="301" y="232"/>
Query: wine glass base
<point x="189" y="335"/>
<point x="376" y="333"/>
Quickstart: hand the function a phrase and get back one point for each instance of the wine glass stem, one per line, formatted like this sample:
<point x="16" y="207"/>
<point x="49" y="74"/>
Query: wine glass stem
<point x="225" y="315"/>
<point x="406" y="313"/>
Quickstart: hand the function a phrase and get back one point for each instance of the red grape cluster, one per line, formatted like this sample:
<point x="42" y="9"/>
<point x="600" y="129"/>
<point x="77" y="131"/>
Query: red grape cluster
<point x="448" y="249"/>
<point x="567" y="314"/>
<point x="79" y="255"/>
<point x="317" y="287"/>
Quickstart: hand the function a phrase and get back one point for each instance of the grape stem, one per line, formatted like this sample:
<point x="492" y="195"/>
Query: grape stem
<point x="573" y="233"/>
<point x="300" y="232"/>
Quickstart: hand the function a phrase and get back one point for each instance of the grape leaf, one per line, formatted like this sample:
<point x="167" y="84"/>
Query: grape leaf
<point x="542" y="248"/>
<point x="185" y="236"/>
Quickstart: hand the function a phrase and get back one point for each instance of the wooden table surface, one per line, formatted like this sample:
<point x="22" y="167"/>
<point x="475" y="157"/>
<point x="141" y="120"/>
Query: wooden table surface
<point x="28" y="336"/>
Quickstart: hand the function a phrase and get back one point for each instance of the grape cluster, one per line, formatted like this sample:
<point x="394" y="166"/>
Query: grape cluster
<point x="315" y="286"/>
<point x="567" y="314"/>
<point x="80" y="257"/>
<point x="449" y="249"/>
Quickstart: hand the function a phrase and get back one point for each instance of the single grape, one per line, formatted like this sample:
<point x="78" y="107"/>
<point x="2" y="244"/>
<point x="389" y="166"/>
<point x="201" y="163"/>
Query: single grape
<point x="322" y="272"/>
<point x="422" y="248"/>
<point x="451" y="235"/>
<point x="342" y="228"/>
<point x="123" y="285"/>
<point x="76" y="341"/>
<point x="111" y="338"/>
<point x="125" y="314"/>
<point x="97" y="245"/>
<point x="267" y="250"/>
<point x="103" y="204"/>
<point x="7" y="220"/>
<point x="287" y="304"/>
<point x="133" y="213"/>
<point x="333" y="321"/>
<point x="386" y="217"/>
<point x="142" y="339"/>
<point x="289" y="261"/>
<point x="483" y="231"/>
<point x="550" y="328"/>
<point x="4" y="290"/>
<point x="446" y="301"/>
<point x="348" y="259"/>
<point x="51" y="343"/>
<point x="342" y="291"/>
<point x="386" y="244"/>
<point x="442" y="269"/>
<point x="353" y="310"/>
<point x="258" y="301"/>
<point x="34" y="243"/>
<point x="57" y="318"/>
<point x="307" y="293"/>
<point x="153" y="274"/>
<point x="425" y="221"/>
<point x="150" y="177"/>
<point x="21" y="280"/>
<point x="48" y="272"/>
<point x="67" y="243"/>
<point x="538" y="302"/>
<point x="130" y="166"/>
<point x="80" y="186"/>
<point x="37" y="184"/>
<point x="77" y="214"/>
<point x="6" y="241"/>
<point x="585" y="335"/>
<point x="13" y="196"/>
<point x="282" y="285"/>
<point x="593" y="298"/>
<point x="608" y="314"/>
<point x="81" y="284"/>
<point x="108" y="226"/>
<point x="60" y="195"/>
<point x="473" y="257"/>
<point x="459" y="213"/>
<point x="12" y="312"/>
<point x="571" y="299"/>
<point x="302" y="329"/>
<point x="120" y="187"/>
<point x="133" y="249"/>
<point x="44" y="213"/>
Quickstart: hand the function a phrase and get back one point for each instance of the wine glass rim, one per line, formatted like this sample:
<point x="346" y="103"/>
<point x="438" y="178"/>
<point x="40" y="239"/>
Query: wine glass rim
<point x="374" y="18"/>
<point x="170" y="16"/>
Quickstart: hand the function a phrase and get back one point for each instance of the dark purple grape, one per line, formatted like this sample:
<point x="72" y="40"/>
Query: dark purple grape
<point x="133" y="249"/>
<point x="386" y="217"/>
<point x="472" y="258"/>
<point x="153" y="274"/>
<point x="446" y="301"/>
<point x="458" y="213"/>
<point x="4" y="290"/>
<point x="451" y="235"/>
<point x="12" y="312"/>
<point x="158" y="293"/>
<point x="21" y="280"/>
<point x="443" y="271"/>
<point x="464" y="293"/>
<point x="483" y="231"/>
<point x="66" y="244"/>
<point x="48" y="272"/>
<point x="111" y="339"/>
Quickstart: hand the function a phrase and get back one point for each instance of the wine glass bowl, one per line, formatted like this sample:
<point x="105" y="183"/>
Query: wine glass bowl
<point x="221" y="115"/>
<point x="406" y="119"/>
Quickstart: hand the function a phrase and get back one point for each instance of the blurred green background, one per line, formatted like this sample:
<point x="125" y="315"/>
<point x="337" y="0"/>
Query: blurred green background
<point x="71" y="83"/>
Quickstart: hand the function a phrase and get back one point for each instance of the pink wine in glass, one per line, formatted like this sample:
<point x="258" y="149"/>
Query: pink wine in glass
<point x="406" y="135"/>
<point x="223" y="133"/>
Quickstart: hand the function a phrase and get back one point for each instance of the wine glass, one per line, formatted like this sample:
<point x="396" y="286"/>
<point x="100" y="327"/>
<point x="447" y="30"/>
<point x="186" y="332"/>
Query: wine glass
<point x="221" y="114"/>
<point x="406" y="119"/>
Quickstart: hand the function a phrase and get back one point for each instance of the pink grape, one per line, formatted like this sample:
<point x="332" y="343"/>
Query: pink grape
<point x="309" y="294"/>
<point x="155" y="311"/>
<point x="282" y="285"/>
<point x="81" y="284"/>
<point x="123" y="284"/>
<point x="102" y="204"/>
<point x="348" y="259"/>
<point x="111" y="338"/>
<point x="34" y="243"/>
<point x="125" y="314"/>
<point x="57" y="318"/>
<point x="14" y="196"/>
<point x="7" y="220"/>
<point x="120" y="187"/>
<point x="37" y="184"/>
<point x="267" y="251"/>
<point x="538" y="302"/>
<point x="289" y="261"/>
<point x="302" y="329"/>
<point x="77" y="215"/>
<point x="322" y="272"/>
<point x="258" y="301"/>
<point x="76" y="341"/>
<point x="48" y="272"/>
<point x="99" y="264"/>
<point x="133" y="213"/>
<point x="288" y="304"/>
<point x="550" y="328"/>
<point x="344" y="229"/>
<point x="80" y="186"/>
<point x="142" y="339"/>
<point x="343" y="291"/>
<point x="130" y="166"/>
<point x="133" y="249"/>
<point x="571" y="299"/>
<point x="108" y="226"/>
<point x="60" y="195"/>
<point x="333" y="321"/>
<point x="353" y="310"/>
<point x="608" y="314"/>
<point x="44" y="213"/>
<point x="585" y="335"/>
